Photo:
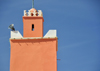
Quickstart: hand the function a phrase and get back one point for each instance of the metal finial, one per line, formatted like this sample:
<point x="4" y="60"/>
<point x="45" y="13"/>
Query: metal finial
<point x="32" y="3"/>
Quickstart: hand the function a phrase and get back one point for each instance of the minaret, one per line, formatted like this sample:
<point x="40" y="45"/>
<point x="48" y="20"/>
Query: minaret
<point x="33" y="51"/>
<point x="33" y="23"/>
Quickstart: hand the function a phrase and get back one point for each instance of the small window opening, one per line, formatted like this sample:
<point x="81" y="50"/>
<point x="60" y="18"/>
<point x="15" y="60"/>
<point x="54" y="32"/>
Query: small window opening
<point x="32" y="27"/>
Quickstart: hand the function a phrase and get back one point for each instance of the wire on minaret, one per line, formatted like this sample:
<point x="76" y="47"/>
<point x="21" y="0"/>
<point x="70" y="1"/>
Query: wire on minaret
<point x="32" y="3"/>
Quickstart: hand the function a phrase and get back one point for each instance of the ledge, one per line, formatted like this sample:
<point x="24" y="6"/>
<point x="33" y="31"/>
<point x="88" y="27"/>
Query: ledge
<point x="36" y="39"/>
<point x="33" y="17"/>
<point x="33" y="38"/>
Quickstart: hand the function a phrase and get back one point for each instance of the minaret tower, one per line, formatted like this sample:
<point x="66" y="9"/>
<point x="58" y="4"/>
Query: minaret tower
<point x="33" y="23"/>
<point x="33" y="51"/>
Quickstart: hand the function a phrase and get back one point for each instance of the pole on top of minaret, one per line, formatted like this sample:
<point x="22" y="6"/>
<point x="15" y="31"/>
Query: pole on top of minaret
<point x="32" y="3"/>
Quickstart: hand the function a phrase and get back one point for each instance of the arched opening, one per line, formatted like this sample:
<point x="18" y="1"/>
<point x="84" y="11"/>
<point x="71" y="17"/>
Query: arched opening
<point x="31" y="14"/>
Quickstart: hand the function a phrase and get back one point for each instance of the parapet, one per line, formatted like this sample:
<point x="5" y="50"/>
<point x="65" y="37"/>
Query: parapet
<point x="50" y="34"/>
<point x="33" y="12"/>
<point x="16" y="34"/>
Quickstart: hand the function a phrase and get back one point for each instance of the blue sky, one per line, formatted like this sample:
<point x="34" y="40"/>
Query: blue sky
<point x="78" y="29"/>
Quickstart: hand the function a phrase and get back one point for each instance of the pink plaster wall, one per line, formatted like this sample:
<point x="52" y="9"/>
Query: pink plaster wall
<point x="33" y="55"/>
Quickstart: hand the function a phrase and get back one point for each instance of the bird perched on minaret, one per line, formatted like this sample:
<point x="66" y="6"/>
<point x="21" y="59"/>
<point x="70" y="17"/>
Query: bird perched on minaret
<point x="12" y="27"/>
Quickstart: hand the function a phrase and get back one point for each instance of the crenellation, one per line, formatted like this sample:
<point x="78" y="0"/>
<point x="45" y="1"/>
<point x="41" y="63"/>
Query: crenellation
<point x="34" y="13"/>
<point x="29" y="13"/>
<point x="40" y="13"/>
<point x="25" y="13"/>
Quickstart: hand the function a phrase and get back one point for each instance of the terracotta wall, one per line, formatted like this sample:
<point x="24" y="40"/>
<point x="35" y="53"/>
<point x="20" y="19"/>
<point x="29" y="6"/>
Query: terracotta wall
<point x="33" y="55"/>
<point x="38" y="26"/>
